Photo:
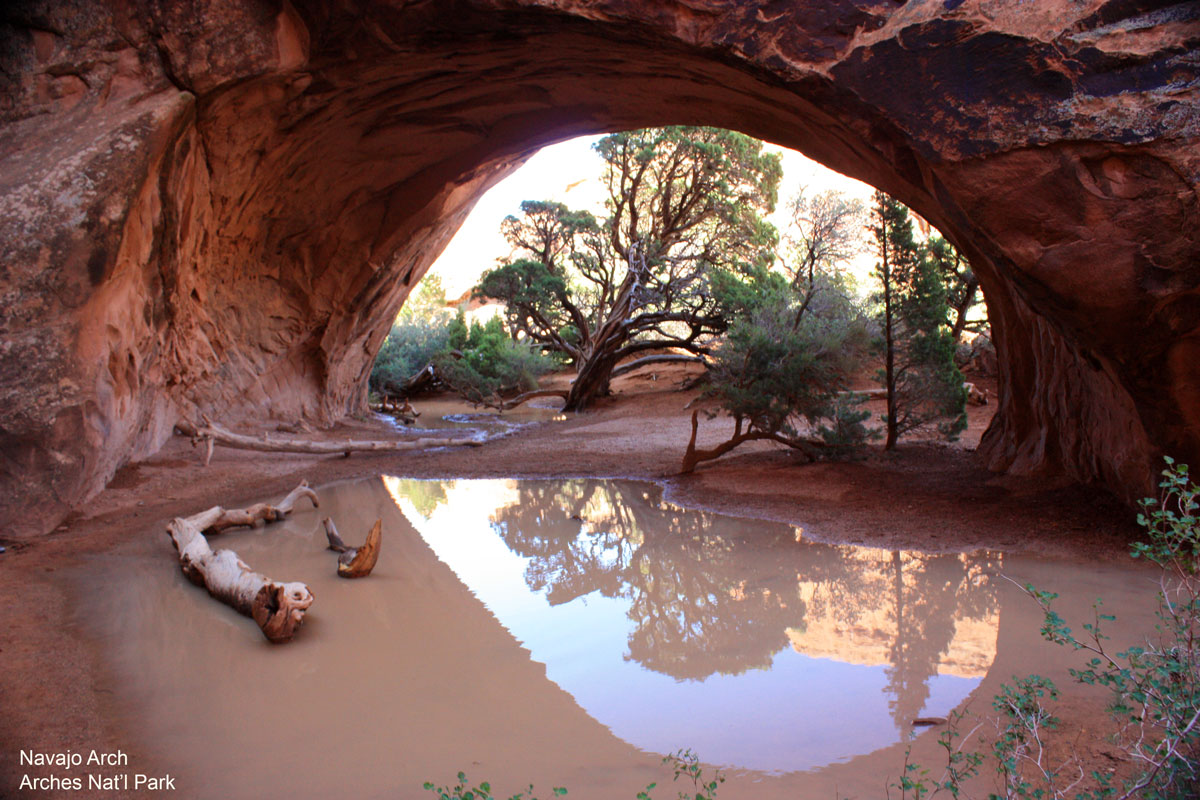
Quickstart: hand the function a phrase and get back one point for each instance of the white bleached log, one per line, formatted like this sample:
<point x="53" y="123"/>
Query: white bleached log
<point x="278" y="608"/>
<point x="211" y="433"/>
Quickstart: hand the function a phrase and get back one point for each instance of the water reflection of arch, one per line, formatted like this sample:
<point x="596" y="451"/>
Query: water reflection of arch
<point x="703" y="603"/>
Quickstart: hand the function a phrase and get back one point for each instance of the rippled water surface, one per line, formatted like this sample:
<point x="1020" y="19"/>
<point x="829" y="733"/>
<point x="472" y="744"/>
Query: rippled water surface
<point x="560" y="631"/>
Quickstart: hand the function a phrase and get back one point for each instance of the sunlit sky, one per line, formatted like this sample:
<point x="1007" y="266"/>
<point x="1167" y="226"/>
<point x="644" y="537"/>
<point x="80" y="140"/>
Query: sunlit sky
<point x="569" y="172"/>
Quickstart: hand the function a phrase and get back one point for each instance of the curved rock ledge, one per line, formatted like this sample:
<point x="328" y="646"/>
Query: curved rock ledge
<point x="218" y="205"/>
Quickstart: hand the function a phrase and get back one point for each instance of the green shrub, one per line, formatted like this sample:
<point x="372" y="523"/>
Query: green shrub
<point x="463" y="790"/>
<point x="406" y="350"/>
<point x="484" y="362"/>
<point x="419" y="333"/>
<point x="685" y="764"/>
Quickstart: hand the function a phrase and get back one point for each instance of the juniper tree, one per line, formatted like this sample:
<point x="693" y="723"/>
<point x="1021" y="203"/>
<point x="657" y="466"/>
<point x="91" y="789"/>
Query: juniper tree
<point x="961" y="283"/>
<point x="784" y="367"/>
<point x="684" y="205"/>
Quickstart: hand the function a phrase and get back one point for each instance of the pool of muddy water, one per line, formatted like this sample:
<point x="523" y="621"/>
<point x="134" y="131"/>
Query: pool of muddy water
<point x="566" y="632"/>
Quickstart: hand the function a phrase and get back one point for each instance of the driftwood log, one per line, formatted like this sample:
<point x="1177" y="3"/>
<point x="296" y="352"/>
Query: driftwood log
<point x="399" y="408"/>
<point x="355" y="562"/>
<point x="260" y="514"/>
<point x="278" y="608"/>
<point x="424" y="380"/>
<point x="211" y="433"/>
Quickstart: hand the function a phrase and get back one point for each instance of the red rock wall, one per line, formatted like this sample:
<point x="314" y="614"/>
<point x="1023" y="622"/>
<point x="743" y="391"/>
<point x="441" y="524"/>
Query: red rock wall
<point x="218" y="205"/>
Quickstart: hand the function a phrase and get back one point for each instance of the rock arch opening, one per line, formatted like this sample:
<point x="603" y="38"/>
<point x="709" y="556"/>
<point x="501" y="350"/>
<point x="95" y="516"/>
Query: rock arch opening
<point x="212" y="208"/>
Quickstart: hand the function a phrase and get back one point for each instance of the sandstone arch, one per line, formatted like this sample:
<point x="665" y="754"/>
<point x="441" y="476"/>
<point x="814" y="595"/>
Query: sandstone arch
<point x="216" y="205"/>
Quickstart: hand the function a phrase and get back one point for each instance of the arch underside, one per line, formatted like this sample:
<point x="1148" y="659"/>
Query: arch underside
<point x="219" y="206"/>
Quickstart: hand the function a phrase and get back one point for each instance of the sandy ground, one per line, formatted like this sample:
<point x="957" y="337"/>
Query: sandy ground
<point x="926" y="495"/>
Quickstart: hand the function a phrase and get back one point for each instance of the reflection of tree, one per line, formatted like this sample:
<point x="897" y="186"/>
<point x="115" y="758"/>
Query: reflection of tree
<point x="705" y="600"/>
<point x="425" y="496"/>
<point x="928" y="594"/>
<point x="698" y="609"/>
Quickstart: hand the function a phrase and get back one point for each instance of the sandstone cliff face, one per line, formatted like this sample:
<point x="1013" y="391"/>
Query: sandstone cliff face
<point x="218" y="205"/>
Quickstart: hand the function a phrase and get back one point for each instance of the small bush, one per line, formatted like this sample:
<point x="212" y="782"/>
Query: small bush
<point x="484" y="363"/>
<point x="407" y="349"/>
<point x="419" y="333"/>
<point x="685" y="764"/>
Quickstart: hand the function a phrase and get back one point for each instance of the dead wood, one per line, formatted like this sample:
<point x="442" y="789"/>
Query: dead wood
<point x="261" y="513"/>
<point x="278" y="608"/>
<point x="975" y="395"/>
<point x="210" y="433"/>
<point x="424" y="380"/>
<point x="335" y="539"/>
<point x="399" y="408"/>
<point x="355" y="562"/>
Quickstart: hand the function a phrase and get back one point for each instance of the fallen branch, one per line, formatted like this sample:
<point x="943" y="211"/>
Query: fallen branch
<point x="354" y="562"/>
<point x="210" y="433"/>
<point x="277" y="608"/>
<point x="399" y="408"/>
<point x="261" y="513"/>
<point x="424" y="380"/>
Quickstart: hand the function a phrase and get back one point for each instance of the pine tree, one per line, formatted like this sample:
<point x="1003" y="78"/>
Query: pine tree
<point x="923" y="384"/>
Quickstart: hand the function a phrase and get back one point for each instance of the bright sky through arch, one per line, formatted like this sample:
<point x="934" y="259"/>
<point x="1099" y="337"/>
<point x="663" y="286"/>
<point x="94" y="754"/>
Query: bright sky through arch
<point x="569" y="172"/>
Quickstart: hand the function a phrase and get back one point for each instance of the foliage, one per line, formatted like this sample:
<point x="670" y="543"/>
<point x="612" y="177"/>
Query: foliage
<point x="463" y="790"/>
<point x="479" y="362"/>
<point x="1155" y="687"/>
<point x="427" y="304"/>
<point x="417" y="336"/>
<point x="823" y="235"/>
<point x="923" y="384"/>
<point x="775" y="369"/>
<point x="961" y="286"/>
<point x="685" y="764"/>
<point x="483" y="362"/>
<point x="961" y="766"/>
<point x="684" y="204"/>
<point x="783" y="369"/>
